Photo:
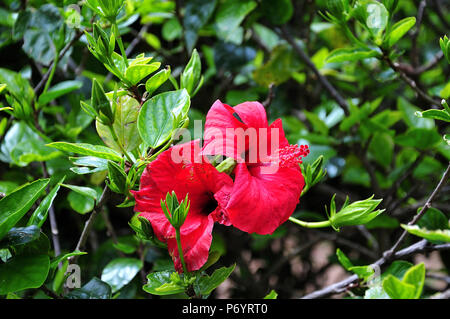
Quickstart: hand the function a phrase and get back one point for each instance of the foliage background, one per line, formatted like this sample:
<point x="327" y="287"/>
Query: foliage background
<point x="245" y="47"/>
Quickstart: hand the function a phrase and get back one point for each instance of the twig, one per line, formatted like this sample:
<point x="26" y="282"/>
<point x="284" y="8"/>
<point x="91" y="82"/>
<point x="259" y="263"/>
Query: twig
<point x="443" y="295"/>
<point x="90" y="222"/>
<point x="415" y="35"/>
<point x="52" y="218"/>
<point x="63" y="52"/>
<point x="266" y="103"/>
<point x="323" y="80"/>
<point x="410" y="82"/>
<point x="342" y="286"/>
<point x="427" y="205"/>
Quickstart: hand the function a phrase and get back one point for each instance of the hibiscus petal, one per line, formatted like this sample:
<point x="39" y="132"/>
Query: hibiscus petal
<point x="195" y="243"/>
<point x="253" y="114"/>
<point x="184" y="175"/>
<point x="261" y="201"/>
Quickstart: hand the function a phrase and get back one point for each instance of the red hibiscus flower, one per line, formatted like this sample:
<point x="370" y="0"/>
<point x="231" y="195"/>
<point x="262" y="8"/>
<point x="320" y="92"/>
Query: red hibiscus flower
<point x="268" y="180"/>
<point x="183" y="170"/>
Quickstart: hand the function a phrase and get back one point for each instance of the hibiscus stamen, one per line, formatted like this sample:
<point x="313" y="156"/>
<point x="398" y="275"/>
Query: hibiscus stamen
<point x="292" y="155"/>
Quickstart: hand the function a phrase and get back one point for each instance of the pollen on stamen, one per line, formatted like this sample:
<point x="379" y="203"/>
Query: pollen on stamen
<point x="292" y="155"/>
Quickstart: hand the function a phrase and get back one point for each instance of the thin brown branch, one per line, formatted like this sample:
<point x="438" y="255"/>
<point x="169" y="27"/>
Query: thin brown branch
<point x="342" y="286"/>
<point x="322" y="79"/>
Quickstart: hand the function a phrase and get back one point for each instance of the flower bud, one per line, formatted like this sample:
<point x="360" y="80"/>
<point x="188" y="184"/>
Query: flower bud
<point x="356" y="213"/>
<point x="175" y="211"/>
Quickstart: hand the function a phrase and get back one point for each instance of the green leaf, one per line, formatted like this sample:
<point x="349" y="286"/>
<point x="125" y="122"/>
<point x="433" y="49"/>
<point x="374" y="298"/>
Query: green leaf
<point x="373" y="15"/>
<point x="398" y="269"/>
<point x="399" y="30"/>
<point x="433" y="219"/>
<point x="229" y="16"/>
<point x="80" y="203"/>
<point x="23" y="272"/>
<point x="120" y="272"/>
<point x="206" y="284"/>
<point x="171" y="30"/>
<point x="432" y="235"/>
<point x="434" y="114"/>
<point x="350" y="54"/>
<point x="40" y="214"/>
<point x="125" y="126"/>
<point x="190" y="77"/>
<point x="137" y="72"/>
<point x="277" y="14"/>
<point x="19" y="236"/>
<point x="117" y="178"/>
<point x="397" y="289"/>
<point x="94" y="289"/>
<point x="376" y="292"/>
<point x="87" y="149"/>
<point x="88" y="164"/>
<point x="381" y="147"/>
<point x="22" y="146"/>
<point x="83" y="190"/>
<point x="271" y="295"/>
<point x="160" y="115"/>
<point x="55" y="261"/>
<point x="58" y="90"/>
<point x="420" y="138"/>
<point x="157" y="80"/>
<point x="343" y="259"/>
<point x="196" y="15"/>
<point x="416" y="276"/>
<point x="15" y="205"/>
<point x="409" y="115"/>
<point x="161" y="283"/>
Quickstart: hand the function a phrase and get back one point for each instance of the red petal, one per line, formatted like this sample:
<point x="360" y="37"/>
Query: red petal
<point x="201" y="180"/>
<point x="260" y="202"/>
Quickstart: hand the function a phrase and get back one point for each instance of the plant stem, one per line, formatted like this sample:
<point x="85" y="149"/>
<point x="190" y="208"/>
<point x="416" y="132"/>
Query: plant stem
<point x="119" y="42"/>
<point x="52" y="73"/>
<point x="180" y="250"/>
<point x="302" y="223"/>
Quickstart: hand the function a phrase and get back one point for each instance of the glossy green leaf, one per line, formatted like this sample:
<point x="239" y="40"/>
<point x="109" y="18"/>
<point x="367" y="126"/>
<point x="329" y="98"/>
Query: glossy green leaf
<point x="433" y="235"/>
<point x="135" y="73"/>
<point x="55" y="261"/>
<point x="59" y="90"/>
<point x="399" y="30"/>
<point x="160" y="115"/>
<point x="396" y="289"/>
<point x="40" y="214"/>
<point x="350" y="54"/>
<point x="125" y="126"/>
<point x="433" y="219"/>
<point x="157" y="80"/>
<point x="88" y="164"/>
<point x="23" y="272"/>
<point x="16" y="204"/>
<point x="416" y="276"/>
<point x="162" y="283"/>
<point x="206" y="284"/>
<point x="441" y="115"/>
<point x="83" y="190"/>
<point x="87" y="149"/>
<point x="120" y="272"/>
<point x="94" y="289"/>
<point x="20" y="235"/>
<point x="82" y="204"/>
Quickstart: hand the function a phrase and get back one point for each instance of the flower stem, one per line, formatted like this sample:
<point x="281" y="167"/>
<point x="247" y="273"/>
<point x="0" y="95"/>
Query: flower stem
<point x="180" y="250"/>
<point x="302" y="223"/>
